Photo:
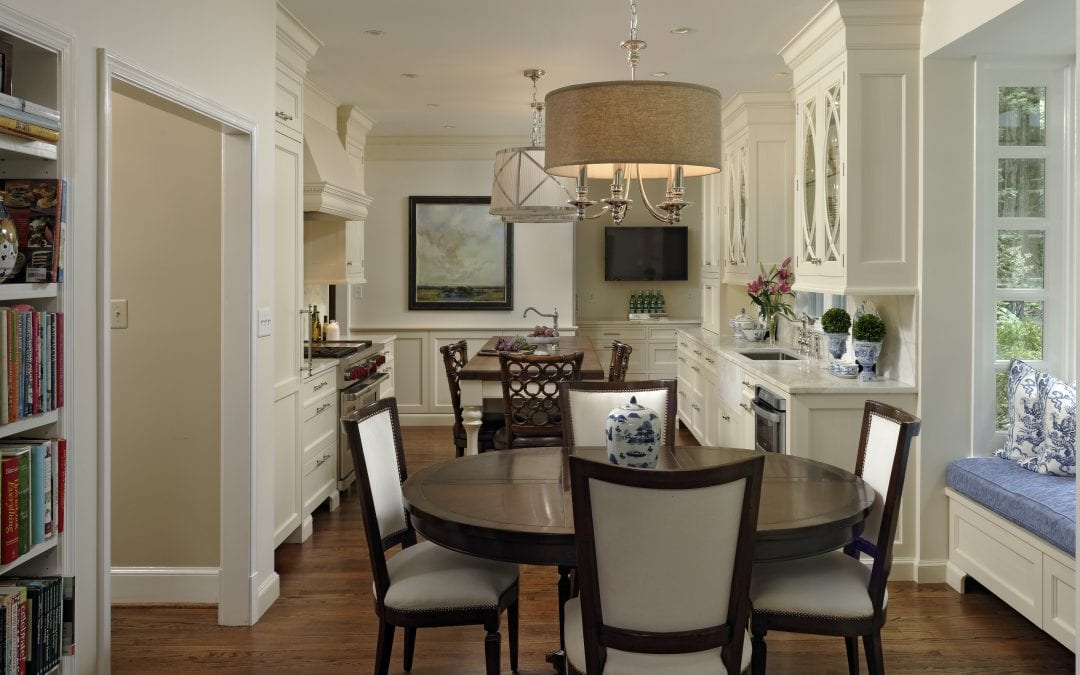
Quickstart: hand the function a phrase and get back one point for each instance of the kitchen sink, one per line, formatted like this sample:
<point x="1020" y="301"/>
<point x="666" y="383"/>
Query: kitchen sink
<point x="770" y="355"/>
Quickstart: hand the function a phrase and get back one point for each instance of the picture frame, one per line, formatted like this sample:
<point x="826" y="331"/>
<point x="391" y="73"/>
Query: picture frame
<point x="460" y="256"/>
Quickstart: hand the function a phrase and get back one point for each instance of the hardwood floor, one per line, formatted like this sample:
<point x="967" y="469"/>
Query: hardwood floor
<point x="324" y="623"/>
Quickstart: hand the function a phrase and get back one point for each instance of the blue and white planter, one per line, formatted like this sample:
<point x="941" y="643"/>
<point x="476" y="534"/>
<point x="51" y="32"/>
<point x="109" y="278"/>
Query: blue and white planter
<point x="633" y="436"/>
<point x="866" y="353"/>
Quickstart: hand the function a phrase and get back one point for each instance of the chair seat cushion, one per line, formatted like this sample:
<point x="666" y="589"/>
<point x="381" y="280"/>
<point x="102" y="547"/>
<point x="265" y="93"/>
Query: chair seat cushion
<point x="526" y="441"/>
<point x="633" y="663"/>
<point x="833" y="585"/>
<point x="427" y="577"/>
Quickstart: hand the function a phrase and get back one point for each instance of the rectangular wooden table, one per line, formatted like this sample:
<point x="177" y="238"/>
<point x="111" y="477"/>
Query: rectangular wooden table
<point x="481" y="378"/>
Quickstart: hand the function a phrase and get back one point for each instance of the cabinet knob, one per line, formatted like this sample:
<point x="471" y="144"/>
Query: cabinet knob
<point x="726" y="418"/>
<point x="348" y="263"/>
<point x="695" y="369"/>
<point x="283" y="116"/>
<point x="746" y="383"/>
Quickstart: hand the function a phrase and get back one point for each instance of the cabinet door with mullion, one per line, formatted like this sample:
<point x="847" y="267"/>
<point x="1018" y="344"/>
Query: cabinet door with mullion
<point x="806" y="184"/>
<point x="833" y="167"/>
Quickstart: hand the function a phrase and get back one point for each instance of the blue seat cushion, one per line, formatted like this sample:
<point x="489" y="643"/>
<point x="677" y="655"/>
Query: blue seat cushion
<point x="1041" y="504"/>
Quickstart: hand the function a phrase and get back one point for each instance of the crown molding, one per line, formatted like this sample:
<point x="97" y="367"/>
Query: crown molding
<point x="438" y="148"/>
<point x="295" y="43"/>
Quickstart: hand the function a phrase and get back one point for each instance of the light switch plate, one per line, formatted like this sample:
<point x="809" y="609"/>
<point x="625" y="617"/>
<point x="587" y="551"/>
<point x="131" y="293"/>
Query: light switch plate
<point x="264" y="322"/>
<point x="358" y="291"/>
<point x="118" y="313"/>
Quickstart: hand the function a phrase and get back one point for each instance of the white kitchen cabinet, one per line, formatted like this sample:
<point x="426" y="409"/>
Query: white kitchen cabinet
<point x="856" y="78"/>
<point x="334" y="252"/>
<point x="712" y="293"/>
<point x="295" y="46"/>
<point x="759" y="150"/>
<point x="654" y="346"/>
<point x="712" y="222"/>
<point x="319" y="438"/>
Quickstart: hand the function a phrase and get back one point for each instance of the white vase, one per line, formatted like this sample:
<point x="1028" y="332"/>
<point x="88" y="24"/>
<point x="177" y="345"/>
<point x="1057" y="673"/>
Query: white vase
<point x="866" y="353"/>
<point x="633" y="436"/>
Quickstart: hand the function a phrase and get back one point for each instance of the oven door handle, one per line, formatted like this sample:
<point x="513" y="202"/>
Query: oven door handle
<point x="360" y="389"/>
<point x="765" y="412"/>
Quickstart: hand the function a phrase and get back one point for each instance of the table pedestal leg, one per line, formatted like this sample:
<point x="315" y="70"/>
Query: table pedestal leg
<point x="567" y="590"/>
<point x="471" y="418"/>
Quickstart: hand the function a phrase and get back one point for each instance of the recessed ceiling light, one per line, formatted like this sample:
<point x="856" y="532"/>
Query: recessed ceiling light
<point x="375" y="32"/>
<point x="781" y="73"/>
<point x="448" y="126"/>
<point x="411" y="76"/>
<point x="660" y="73"/>
<point x="682" y="30"/>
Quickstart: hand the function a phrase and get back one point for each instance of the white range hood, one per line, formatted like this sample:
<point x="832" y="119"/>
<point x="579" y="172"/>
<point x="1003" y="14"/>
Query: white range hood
<point x="333" y="188"/>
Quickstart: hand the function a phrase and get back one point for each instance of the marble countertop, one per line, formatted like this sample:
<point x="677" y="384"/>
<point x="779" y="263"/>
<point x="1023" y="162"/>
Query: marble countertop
<point x="803" y="376"/>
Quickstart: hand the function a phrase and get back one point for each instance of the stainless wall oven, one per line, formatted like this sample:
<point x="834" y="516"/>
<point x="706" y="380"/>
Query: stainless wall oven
<point x="355" y="397"/>
<point x="770" y="424"/>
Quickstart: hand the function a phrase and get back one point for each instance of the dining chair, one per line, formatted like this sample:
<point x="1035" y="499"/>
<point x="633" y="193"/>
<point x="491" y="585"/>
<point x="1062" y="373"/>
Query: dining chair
<point x="620" y="361"/>
<point x="642" y="609"/>
<point x="835" y="593"/>
<point x="531" y="406"/>
<point x="423" y="584"/>
<point x="586" y="404"/>
<point x="455" y="357"/>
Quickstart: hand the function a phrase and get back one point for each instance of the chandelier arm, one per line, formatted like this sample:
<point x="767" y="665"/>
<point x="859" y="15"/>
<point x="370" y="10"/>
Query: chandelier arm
<point x="653" y="211"/>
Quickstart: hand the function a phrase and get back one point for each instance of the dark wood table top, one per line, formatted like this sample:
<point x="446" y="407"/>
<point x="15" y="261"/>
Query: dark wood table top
<point x="514" y="505"/>
<point x="483" y="367"/>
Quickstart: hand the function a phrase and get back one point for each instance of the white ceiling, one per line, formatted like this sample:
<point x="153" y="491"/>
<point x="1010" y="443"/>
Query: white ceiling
<point x="469" y="54"/>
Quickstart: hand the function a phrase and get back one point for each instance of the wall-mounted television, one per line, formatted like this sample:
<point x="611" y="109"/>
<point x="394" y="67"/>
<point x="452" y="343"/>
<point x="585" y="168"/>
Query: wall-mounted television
<point x="645" y="253"/>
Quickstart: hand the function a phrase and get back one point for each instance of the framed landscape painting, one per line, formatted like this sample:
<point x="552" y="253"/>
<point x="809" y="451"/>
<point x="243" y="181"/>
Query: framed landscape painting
<point x="460" y="256"/>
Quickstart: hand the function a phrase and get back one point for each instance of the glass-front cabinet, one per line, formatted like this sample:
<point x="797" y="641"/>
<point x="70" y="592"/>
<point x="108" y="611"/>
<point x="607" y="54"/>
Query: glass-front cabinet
<point x="759" y="149"/>
<point x="856" y="186"/>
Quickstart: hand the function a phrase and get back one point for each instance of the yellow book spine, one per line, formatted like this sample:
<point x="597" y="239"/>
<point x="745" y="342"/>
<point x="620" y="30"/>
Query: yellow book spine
<point x="27" y="129"/>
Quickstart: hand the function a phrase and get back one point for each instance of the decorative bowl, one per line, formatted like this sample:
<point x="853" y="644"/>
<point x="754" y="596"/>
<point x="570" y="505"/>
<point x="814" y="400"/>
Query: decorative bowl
<point x="753" y="334"/>
<point x="543" y="344"/>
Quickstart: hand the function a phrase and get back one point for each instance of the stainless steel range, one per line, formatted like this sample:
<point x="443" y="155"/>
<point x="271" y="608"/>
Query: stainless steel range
<point x="358" y="380"/>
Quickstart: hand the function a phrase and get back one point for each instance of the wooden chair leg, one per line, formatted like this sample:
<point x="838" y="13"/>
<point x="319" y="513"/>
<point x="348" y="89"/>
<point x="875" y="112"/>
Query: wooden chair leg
<point x="875" y="661"/>
<point x="383" y="648"/>
<point x="512" y="622"/>
<point x="757" y="653"/>
<point x="492" y="647"/>
<point x="410" y="645"/>
<point x="852" y="644"/>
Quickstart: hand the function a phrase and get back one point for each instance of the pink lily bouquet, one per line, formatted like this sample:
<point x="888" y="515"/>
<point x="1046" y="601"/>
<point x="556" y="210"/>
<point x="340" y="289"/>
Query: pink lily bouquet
<point x="771" y="291"/>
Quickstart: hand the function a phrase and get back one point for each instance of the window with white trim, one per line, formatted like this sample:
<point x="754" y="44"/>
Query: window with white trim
<point x="1022" y="291"/>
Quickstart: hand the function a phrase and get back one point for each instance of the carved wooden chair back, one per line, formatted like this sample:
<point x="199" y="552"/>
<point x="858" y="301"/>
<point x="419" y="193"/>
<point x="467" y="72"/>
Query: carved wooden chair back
<point x="530" y="384"/>
<point x="620" y="361"/>
<point x="627" y="522"/>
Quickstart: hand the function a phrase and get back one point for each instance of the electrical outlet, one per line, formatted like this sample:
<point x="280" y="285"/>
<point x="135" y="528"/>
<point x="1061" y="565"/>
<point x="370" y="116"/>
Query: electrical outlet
<point x="118" y="313"/>
<point x="358" y="291"/>
<point x="264" y="321"/>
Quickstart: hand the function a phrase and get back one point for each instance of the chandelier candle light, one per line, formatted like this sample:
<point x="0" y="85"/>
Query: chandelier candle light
<point x="522" y="191"/>
<point x="624" y="129"/>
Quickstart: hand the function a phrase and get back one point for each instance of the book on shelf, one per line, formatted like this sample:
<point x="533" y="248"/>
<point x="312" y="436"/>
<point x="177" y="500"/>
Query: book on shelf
<point x="9" y="509"/>
<point x="38" y="211"/>
<point x="29" y="117"/>
<point x="15" y="628"/>
<point x="36" y="109"/>
<point x="22" y="454"/>
<point x="42" y="603"/>
<point x="31" y="363"/>
<point x="35" y="132"/>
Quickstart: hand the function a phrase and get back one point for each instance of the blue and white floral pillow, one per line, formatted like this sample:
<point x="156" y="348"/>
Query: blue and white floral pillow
<point x="1027" y="398"/>
<point x="1041" y="435"/>
<point x="1057" y="454"/>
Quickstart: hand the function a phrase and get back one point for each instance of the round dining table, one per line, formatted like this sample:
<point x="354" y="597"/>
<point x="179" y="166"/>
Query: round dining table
<point x="514" y="505"/>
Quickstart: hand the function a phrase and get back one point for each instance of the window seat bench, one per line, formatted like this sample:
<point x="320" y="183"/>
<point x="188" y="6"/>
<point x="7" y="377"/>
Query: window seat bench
<point x="1014" y="531"/>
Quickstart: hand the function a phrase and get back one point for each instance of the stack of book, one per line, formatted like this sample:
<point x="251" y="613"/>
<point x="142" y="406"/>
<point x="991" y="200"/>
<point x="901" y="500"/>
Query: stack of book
<point x="28" y="119"/>
<point x="33" y="477"/>
<point x="31" y="362"/>
<point x="32" y="623"/>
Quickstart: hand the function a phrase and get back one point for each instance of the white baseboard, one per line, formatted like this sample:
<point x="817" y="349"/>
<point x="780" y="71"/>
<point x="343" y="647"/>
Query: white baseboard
<point x="903" y="569"/>
<point x="931" y="571"/>
<point x="182" y="585"/>
<point x="267" y="594"/>
<point x="954" y="576"/>
<point x="426" y="420"/>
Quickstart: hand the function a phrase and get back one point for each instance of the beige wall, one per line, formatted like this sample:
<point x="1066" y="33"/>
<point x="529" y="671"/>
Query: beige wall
<point x="609" y="300"/>
<point x="166" y="232"/>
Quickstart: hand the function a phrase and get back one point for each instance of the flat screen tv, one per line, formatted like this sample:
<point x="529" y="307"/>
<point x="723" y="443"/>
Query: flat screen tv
<point x="645" y="253"/>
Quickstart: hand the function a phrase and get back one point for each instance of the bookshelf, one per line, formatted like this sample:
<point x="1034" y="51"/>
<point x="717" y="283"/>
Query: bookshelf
<point x="41" y="62"/>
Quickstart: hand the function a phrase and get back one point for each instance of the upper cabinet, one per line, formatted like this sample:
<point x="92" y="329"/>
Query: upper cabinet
<point x="759" y="162"/>
<point x="855" y="69"/>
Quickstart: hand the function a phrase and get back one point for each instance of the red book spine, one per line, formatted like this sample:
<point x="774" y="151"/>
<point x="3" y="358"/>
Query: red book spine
<point x="59" y="359"/>
<point x="60" y="487"/>
<point x="9" y="509"/>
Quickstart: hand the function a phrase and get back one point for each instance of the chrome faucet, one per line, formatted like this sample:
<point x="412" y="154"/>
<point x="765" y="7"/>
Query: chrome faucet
<point x="554" y="316"/>
<point x="804" y="340"/>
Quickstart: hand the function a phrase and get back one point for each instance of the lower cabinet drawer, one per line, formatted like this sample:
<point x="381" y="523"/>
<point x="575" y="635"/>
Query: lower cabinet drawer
<point x="320" y="419"/>
<point x="320" y="475"/>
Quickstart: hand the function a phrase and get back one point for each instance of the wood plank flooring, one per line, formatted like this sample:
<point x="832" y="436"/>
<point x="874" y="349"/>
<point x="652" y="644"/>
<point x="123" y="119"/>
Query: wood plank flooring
<point x="324" y="623"/>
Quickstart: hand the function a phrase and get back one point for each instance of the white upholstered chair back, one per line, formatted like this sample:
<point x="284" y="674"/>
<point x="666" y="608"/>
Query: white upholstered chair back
<point x="588" y="403"/>
<point x="882" y="438"/>
<point x="377" y="441"/>
<point x="660" y="567"/>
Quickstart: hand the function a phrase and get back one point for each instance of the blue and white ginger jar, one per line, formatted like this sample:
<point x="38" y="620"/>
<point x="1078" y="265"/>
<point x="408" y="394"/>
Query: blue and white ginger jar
<point x="633" y="436"/>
